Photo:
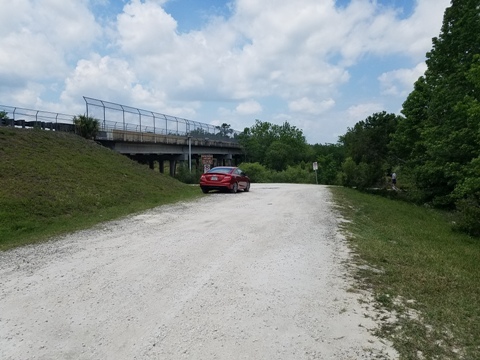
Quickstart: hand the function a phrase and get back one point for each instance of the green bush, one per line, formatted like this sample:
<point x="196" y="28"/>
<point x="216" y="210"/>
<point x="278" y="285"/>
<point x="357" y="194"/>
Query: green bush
<point x="184" y="175"/>
<point x="86" y="126"/>
<point x="468" y="216"/>
<point x="256" y="172"/>
<point x="294" y="174"/>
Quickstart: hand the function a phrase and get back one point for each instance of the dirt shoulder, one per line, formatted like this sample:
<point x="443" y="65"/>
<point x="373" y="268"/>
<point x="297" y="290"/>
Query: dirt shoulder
<point x="257" y="275"/>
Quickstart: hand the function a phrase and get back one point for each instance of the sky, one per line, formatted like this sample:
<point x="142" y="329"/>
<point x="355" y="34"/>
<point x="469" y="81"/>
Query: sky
<point x="320" y="65"/>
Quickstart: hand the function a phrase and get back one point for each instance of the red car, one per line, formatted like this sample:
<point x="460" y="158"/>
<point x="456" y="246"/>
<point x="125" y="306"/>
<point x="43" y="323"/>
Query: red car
<point x="225" y="178"/>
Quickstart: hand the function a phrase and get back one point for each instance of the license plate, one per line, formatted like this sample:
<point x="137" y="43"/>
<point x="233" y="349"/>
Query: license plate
<point x="214" y="178"/>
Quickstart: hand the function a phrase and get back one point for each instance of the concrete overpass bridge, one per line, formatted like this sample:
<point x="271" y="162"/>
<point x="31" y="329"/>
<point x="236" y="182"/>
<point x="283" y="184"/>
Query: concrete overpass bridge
<point x="150" y="137"/>
<point x="148" y="148"/>
<point x="144" y="136"/>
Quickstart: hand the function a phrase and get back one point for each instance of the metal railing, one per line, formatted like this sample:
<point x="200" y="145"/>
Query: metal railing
<point x="22" y="117"/>
<point x="127" y="118"/>
<point x="117" y="118"/>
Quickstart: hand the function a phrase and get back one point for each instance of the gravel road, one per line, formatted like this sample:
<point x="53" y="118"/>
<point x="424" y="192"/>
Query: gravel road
<point x="258" y="275"/>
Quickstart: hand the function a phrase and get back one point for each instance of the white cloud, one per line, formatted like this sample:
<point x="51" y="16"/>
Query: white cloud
<point x="311" y="107"/>
<point x="400" y="82"/>
<point x="360" y="112"/>
<point x="38" y="39"/>
<point x="378" y="30"/>
<point x="249" y="107"/>
<point x="301" y="52"/>
<point x="144" y="28"/>
<point x="103" y="77"/>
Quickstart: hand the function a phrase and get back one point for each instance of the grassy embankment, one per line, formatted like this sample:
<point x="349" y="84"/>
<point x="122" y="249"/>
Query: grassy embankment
<point x="52" y="183"/>
<point x="418" y="267"/>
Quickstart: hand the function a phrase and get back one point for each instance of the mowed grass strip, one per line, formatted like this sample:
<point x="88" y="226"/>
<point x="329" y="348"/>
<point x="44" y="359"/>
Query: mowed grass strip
<point x="52" y="183"/>
<point x="429" y="274"/>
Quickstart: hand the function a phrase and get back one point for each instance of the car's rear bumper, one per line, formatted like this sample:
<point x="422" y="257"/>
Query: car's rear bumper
<point x="217" y="186"/>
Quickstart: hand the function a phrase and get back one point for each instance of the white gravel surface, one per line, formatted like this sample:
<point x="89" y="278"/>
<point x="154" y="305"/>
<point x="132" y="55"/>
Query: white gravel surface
<point x="258" y="275"/>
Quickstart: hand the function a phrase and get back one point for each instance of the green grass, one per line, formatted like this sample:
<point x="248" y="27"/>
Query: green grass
<point x="52" y="183"/>
<point x="426" y="270"/>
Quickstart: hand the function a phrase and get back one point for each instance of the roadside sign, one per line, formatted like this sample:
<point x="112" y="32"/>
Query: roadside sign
<point x="315" y="166"/>
<point x="207" y="159"/>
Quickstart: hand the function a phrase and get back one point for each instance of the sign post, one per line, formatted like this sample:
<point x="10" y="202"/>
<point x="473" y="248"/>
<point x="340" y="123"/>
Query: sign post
<point x="207" y="161"/>
<point x="315" y="167"/>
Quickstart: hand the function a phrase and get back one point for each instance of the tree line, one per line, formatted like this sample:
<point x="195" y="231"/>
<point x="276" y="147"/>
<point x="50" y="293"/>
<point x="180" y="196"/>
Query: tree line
<point x="433" y="146"/>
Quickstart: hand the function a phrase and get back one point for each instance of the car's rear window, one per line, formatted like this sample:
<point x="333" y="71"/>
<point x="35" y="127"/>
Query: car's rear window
<point x="220" y="170"/>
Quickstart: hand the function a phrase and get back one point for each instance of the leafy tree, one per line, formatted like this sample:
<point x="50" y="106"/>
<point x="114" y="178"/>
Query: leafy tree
<point x="256" y="140"/>
<point x="329" y="158"/>
<point x="355" y="175"/>
<point x="86" y="126"/>
<point x="328" y="169"/>
<point x="367" y="144"/>
<point x="278" y="156"/>
<point x="337" y="151"/>
<point x="224" y="130"/>
<point x="406" y="145"/>
<point x="439" y="137"/>
<point x="275" y="146"/>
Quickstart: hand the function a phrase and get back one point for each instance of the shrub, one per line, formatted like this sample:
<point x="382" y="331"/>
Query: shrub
<point x="468" y="216"/>
<point x="294" y="175"/>
<point x="184" y="175"/>
<point x="256" y="172"/>
<point x="86" y="126"/>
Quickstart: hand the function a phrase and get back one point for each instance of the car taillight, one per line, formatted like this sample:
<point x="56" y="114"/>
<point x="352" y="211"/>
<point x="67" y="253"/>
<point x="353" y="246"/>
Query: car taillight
<point x="227" y="178"/>
<point x="202" y="177"/>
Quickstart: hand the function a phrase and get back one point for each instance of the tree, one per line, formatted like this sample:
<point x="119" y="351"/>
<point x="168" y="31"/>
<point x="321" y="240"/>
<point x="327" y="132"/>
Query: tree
<point x="86" y="126"/>
<point x="224" y="130"/>
<point x="439" y="136"/>
<point x="275" y="146"/>
<point x="278" y="156"/>
<point x="256" y="140"/>
<point x="329" y="158"/>
<point x="366" y="144"/>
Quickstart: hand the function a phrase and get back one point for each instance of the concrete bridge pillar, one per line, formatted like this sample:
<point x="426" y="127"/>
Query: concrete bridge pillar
<point x="161" y="165"/>
<point x="225" y="160"/>
<point x="173" y="166"/>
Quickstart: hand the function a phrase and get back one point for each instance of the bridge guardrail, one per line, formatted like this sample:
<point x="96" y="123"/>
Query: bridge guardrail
<point x="120" y="130"/>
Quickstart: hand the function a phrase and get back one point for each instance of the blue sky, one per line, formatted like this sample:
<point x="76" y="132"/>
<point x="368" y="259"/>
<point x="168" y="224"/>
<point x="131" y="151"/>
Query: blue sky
<point x="321" y="65"/>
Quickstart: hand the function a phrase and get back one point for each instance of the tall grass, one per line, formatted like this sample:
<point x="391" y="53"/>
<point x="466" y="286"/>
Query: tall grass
<point x="52" y="183"/>
<point x="427" y="273"/>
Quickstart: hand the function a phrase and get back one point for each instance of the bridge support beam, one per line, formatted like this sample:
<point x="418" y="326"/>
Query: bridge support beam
<point x="173" y="166"/>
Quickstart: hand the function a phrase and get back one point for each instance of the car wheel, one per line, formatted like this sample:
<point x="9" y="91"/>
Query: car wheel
<point x="205" y="190"/>
<point x="235" y="188"/>
<point x="247" y="188"/>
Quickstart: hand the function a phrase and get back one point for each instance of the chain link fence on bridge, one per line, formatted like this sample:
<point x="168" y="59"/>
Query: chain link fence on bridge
<point x="114" y="116"/>
<point x="119" y="119"/>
